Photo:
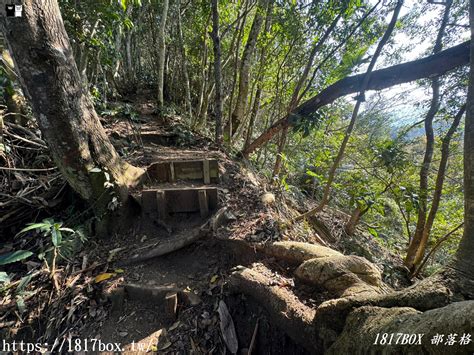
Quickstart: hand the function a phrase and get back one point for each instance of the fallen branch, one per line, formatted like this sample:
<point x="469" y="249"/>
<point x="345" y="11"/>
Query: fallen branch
<point x="28" y="169"/>
<point x="433" y="65"/>
<point x="169" y="245"/>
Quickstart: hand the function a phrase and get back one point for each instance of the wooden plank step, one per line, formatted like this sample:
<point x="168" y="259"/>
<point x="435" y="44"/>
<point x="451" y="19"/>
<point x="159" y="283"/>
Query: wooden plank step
<point x="206" y="170"/>
<point x="162" y="202"/>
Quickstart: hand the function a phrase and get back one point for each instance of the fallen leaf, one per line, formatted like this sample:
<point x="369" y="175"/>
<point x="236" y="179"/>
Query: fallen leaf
<point x="174" y="326"/>
<point x="164" y="345"/>
<point x="214" y="279"/>
<point x="227" y="328"/>
<point x="119" y="271"/>
<point x="102" y="277"/>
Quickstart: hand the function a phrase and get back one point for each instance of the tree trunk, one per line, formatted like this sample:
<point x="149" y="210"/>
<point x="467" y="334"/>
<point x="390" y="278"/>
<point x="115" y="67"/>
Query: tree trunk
<point x="239" y="32"/>
<point x="438" y="188"/>
<point x="296" y="92"/>
<point x="354" y="219"/>
<point x="204" y="69"/>
<point x="258" y="92"/>
<point x="187" y="86"/>
<point x="161" y="54"/>
<point x="15" y="101"/>
<point x="360" y="99"/>
<point x="253" y="115"/>
<point x="245" y="65"/>
<point x="464" y="261"/>
<point x="217" y="71"/>
<point x="50" y="79"/>
<point x="413" y="248"/>
<point x="433" y="65"/>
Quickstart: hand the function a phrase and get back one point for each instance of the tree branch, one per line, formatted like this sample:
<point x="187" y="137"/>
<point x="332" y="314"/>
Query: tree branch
<point x="428" y="67"/>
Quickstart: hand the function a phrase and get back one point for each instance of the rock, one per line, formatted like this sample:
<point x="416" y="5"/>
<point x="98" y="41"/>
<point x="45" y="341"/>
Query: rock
<point x="298" y="252"/>
<point x="343" y="275"/>
<point x="221" y="218"/>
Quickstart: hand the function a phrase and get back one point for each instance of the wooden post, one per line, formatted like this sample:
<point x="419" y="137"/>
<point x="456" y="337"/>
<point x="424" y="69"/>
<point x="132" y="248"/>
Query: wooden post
<point x="171" y="304"/>
<point x="203" y="203"/>
<point x="206" y="171"/>
<point x="161" y="205"/>
<point x="149" y="202"/>
<point x="172" y="173"/>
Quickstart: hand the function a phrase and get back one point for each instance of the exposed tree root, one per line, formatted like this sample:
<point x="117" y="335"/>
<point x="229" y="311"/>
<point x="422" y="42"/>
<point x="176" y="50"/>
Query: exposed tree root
<point x="342" y="275"/>
<point x="318" y="329"/>
<point x="296" y="252"/>
<point x="366" y="323"/>
<point x="331" y="315"/>
<point x="288" y="313"/>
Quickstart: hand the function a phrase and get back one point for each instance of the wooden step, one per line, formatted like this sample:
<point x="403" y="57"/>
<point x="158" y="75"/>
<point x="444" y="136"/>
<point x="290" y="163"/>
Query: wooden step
<point x="205" y="170"/>
<point x="163" y="202"/>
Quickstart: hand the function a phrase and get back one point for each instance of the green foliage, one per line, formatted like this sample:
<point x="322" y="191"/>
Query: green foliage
<point x="380" y="171"/>
<point x="4" y="278"/>
<point x="14" y="256"/>
<point x="65" y="240"/>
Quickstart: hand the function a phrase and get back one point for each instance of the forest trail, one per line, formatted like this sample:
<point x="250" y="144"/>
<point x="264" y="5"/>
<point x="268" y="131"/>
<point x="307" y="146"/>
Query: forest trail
<point x="193" y="183"/>
<point x="171" y="299"/>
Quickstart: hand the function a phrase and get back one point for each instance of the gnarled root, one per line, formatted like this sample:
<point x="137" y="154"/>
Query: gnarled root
<point x="285" y="310"/>
<point x="296" y="252"/>
<point x="366" y="323"/>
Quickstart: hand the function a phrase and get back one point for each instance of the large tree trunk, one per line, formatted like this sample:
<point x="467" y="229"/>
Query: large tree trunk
<point x="246" y="63"/>
<point x="50" y="79"/>
<point x="415" y="243"/>
<point x="433" y="65"/>
<point x="161" y="54"/>
<point x="464" y="256"/>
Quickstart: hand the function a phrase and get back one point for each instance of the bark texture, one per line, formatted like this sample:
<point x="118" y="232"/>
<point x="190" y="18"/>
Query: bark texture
<point x="50" y="79"/>
<point x="363" y="325"/>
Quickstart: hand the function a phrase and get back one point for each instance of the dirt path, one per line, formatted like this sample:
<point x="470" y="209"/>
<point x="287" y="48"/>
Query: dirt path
<point x="142" y="322"/>
<point x="195" y="279"/>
